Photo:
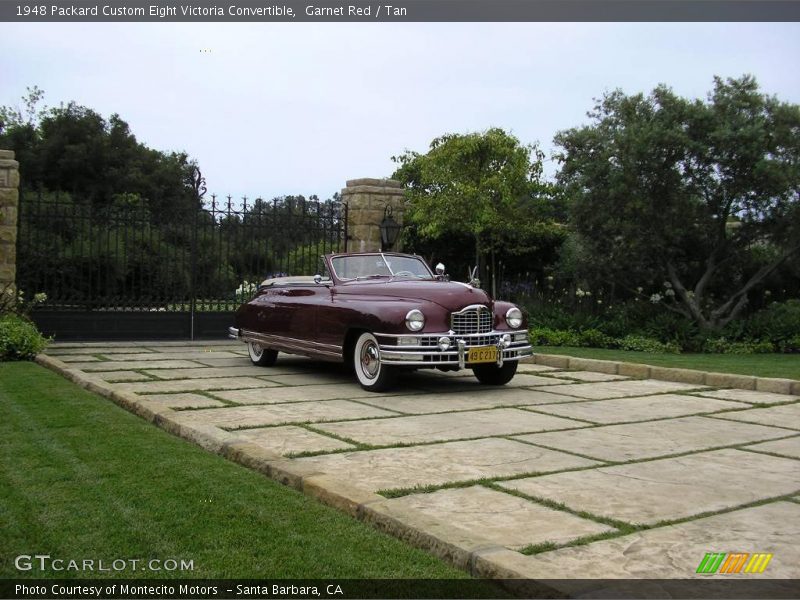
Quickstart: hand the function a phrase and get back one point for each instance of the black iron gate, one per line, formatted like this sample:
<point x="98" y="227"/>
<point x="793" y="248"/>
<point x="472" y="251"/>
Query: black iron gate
<point x="125" y="271"/>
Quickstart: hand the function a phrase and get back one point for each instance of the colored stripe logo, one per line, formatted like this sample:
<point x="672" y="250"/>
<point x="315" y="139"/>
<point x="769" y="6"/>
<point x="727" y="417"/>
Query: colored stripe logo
<point x="733" y="562"/>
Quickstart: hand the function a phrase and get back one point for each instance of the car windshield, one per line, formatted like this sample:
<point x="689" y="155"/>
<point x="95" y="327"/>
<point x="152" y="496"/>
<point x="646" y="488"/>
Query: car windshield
<point x="380" y="265"/>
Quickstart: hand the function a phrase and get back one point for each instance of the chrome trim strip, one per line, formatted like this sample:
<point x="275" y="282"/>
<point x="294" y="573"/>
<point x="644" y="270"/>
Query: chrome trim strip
<point x="292" y="345"/>
<point x="451" y="334"/>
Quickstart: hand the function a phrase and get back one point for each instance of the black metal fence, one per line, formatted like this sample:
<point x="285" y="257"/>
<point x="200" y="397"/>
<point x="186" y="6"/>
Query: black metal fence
<point x="130" y="270"/>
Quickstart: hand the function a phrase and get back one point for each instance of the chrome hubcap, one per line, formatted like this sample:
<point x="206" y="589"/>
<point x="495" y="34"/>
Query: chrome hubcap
<point x="255" y="350"/>
<point x="370" y="360"/>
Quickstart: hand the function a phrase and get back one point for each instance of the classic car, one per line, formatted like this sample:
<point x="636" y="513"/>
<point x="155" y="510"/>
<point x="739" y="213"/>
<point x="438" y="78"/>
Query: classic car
<point x="382" y="313"/>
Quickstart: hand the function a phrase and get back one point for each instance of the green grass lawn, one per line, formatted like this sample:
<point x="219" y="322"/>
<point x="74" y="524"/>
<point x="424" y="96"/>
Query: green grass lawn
<point x="82" y="478"/>
<point x="760" y="365"/>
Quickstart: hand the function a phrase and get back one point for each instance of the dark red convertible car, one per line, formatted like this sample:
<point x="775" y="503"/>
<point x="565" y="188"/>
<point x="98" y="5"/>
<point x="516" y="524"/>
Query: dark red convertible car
<point x="382" y="313"/>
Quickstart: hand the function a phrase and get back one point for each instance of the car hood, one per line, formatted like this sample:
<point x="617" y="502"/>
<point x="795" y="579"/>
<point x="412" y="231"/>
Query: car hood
<point x="450" y="295"/>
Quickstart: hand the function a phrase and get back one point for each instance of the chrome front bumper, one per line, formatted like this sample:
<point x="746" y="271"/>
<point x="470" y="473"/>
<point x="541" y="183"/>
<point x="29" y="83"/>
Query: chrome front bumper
<point x="233" y="333"/>
<point x="423" y="350"/>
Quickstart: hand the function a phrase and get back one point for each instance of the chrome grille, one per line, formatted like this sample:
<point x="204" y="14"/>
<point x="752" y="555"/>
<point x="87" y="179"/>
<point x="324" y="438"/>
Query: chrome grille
<point x="471" y="320"/>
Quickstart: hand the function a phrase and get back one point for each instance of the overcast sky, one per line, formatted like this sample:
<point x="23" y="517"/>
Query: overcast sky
<point x="276" y="109"/>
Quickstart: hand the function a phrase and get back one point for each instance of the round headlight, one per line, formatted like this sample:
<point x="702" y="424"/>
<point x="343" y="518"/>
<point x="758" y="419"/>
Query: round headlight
<point x="415" y="320"/>
<point x="514" y="317"/>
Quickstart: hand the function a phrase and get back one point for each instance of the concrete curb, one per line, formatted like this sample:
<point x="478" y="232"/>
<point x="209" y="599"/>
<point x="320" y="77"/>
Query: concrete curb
<point x="456" y="546"/>
<point x="728" y="380"/>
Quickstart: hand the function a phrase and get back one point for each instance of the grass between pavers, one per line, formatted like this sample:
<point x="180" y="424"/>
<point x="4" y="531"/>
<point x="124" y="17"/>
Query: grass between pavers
<point x="758" y="365"/>
<point x="82" y="478"/>
<point x="602" y="463"/>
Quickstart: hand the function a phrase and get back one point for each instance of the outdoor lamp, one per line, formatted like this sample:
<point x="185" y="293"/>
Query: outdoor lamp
<point x="389" y="229"/>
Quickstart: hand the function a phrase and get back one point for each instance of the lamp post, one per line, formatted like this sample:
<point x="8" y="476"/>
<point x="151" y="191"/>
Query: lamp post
<point x="389" y="229"/>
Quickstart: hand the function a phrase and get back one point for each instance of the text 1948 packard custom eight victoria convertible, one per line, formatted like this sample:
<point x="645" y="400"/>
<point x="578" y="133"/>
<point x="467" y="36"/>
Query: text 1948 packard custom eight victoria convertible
<point x="381" y="313"/>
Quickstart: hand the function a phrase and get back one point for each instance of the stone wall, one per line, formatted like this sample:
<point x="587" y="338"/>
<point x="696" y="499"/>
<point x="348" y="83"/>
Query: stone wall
<point x="9" y="204"/>
<point x="366" y="200"/>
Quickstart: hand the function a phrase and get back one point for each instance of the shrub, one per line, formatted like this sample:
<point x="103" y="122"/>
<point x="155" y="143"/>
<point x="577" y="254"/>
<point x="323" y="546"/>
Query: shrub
<point x="640" y="343"/>
<point x="596" y="339"/>
<point x="544" y="336"/>
<point x="779" y="323"/>
<point x="725" y="346"/>
<point x="19" y="338"/>
<point x="790" y="345"/>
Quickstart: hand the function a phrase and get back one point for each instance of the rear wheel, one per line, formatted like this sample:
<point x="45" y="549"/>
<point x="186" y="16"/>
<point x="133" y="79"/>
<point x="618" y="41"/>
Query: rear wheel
<point x="372" y="374"/>
<point x="494" y="375"/>
<point x="260" y="356"/>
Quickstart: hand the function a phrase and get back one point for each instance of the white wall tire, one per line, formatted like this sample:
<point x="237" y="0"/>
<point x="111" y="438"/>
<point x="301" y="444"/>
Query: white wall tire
<point x="371" y="373"/>
<point x="260" y="356"/>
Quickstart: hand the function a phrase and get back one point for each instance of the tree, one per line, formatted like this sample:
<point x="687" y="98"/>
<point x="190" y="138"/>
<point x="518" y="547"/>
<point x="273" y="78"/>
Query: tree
<point x="700" y="195"/>
<point x="482" y="184"/>
<point x="72" y="148"/>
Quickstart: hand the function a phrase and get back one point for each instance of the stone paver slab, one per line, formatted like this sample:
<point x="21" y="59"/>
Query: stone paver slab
<point x="674" y="552"/>
<point x="787" y="415"/>
<point x="788" y="447"/>
<point x="447" y="426"/>
<point x="395" y="468"/>
<point x="121" y="376"/>
<point x="208" y="372"/>
<point x="749" y="396"/>
<point x="188" y="385"/>
<point x="308" y="378"/>
<point x="129" y="365"/>
<point x="645" y="408"/>
<point x="470" y="384"/>
<point x="589" y="376"/>
<point x="75" y="358"/>
<point x="291" y="439"/>
<point x="170" y="355"/>
<point x="438" y="403"/>
<point x="185" y="400"/>
<point x="533" y="368"/>
<point x="56" y="351"/>
<point x="501" y="518"/>
<point x="670" y="488"/>
<point x="240" y="417"/>
<point x="654" y="438"/>
<point x="203" y="348"/>
<point x="622" y="389"/>
<point x="238" y="361"/>
<point x="300" y="393"/>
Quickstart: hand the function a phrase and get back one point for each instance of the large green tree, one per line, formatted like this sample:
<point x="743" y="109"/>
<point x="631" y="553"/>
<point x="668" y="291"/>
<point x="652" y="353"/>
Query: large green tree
<point x="487" y="185"/>
<point x="72" y="148"/>
<point x="701" y="195"/>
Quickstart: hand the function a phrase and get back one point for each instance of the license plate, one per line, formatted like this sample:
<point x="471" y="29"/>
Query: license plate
<point x="482" y="354"/>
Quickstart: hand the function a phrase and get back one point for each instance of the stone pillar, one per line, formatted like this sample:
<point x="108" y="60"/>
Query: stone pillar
<point x="9" y="203"/>
<point x="366" y="201"/>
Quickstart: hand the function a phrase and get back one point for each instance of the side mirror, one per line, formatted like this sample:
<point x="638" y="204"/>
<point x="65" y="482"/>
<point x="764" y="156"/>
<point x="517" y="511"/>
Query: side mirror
<point x="317" y="279"/>
<point x="440" y="273"/>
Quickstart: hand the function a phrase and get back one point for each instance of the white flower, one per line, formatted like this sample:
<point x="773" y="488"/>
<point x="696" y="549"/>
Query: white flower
<point x="639" y="289"/>
<point x="580" y="293"/>
<point x="669" y="292"/>
<point x="667" y="284"/>
<point x="40" y="297"/>
<point x="656" y="298"/>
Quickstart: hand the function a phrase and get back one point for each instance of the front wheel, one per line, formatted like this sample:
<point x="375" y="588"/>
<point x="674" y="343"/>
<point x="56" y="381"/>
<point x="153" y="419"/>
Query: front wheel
<point x="494" y="375"/>
<point x="372" y="374"/>
<point x="260" y="356"/>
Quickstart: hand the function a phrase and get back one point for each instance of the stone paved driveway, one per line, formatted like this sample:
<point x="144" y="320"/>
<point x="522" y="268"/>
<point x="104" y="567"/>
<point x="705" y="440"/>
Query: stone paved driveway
<point x="561" y="474"/>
